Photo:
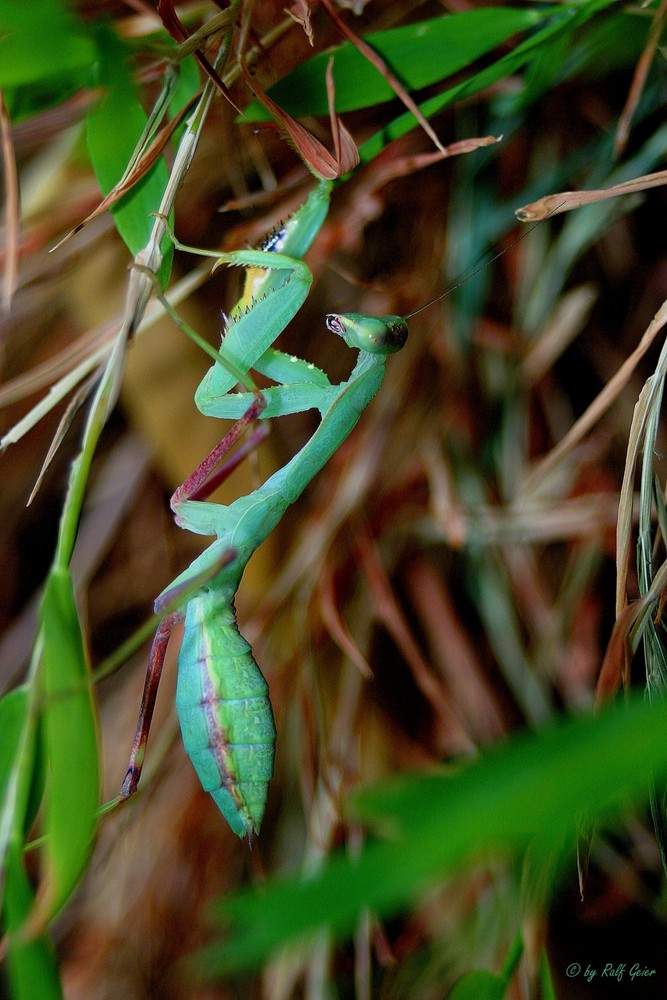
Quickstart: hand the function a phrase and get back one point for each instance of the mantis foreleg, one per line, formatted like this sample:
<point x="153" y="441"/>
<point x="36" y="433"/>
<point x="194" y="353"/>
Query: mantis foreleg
<point x="276" y="286"/>
<point x="197" y="484"/>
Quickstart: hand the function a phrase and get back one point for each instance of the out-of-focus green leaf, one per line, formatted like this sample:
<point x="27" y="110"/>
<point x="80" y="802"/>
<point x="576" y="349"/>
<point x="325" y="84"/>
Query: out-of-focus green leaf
<point x="70" y="747"/>
<point x="113" y="130"/>
<point x="607" y="45"/>
<point x="602" y="46"/>
<point x="532" y="787"/>
<point x="13" y="709"/>
<point x="40" y="39"/>
<point x="478" y="985"/>
<point x="421" y="54"/>
<point x="567" y="19"/>
<point x="32" y="965"/>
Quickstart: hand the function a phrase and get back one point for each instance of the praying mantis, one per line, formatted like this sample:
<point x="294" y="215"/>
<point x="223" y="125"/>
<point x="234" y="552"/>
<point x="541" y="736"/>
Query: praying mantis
<point x="222" y="699"/>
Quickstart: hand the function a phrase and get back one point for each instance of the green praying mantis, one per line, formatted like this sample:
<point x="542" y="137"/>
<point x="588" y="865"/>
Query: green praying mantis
<point x="222" y="699"/>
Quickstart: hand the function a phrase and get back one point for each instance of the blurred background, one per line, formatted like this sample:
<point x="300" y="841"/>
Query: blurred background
<point x="449" y="579"/>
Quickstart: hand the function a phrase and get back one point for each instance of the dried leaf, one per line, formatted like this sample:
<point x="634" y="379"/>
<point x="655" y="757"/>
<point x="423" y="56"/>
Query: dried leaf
<point x="141" y="168"/>
<point x="390" y="613"/>
<point x="300" y="12"/>
<point x="616" y="662"/>
<point x="346" y="153"/>
<point x="317" y="158"/>
<point x="64" y="424"/>
<point x="338" y="630"/>
<point x="565" y="201"/>
<point x="600" y="404"/>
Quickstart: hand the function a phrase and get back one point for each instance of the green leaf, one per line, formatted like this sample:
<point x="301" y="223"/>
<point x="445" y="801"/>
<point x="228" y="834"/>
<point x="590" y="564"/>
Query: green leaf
<point x="113" y="130"/>
<point x="420" y="54"/>
<point x="478" y="985"/>
<point x="70" y="746"/>
<point x="534" y="786"/>
<point x="40" y="39"/>
<point x="31" y="965"/>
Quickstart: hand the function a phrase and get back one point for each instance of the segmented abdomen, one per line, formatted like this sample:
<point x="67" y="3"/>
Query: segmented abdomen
<point x="225" y="713"/>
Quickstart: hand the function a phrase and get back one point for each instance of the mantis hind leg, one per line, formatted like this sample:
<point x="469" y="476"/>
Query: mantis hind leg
<point x="151" y="684"/>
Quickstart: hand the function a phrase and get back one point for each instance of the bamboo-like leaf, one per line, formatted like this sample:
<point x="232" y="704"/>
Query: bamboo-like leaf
<point x="565" y="21"/>
<point x="381" y="66"/>
<point x="16" y="768"/>
<point x="13" y="709"/>
<point x="60" y="682"/>
<point x="31" y="964"/>
<point x="70" y="748"/>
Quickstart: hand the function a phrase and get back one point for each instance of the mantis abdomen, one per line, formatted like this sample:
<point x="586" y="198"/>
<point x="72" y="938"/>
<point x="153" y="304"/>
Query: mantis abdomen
<point x="224" y="711"/>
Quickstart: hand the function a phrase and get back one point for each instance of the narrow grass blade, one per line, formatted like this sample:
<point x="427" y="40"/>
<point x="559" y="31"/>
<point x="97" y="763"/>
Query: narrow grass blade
<point x="478" y="985"/>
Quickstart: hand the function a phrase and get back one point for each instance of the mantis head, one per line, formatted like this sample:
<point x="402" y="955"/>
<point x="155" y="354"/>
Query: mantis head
<point x="374" y="334"/>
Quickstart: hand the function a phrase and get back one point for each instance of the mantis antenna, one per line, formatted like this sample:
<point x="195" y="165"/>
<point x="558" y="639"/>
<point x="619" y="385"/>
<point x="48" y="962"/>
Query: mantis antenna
<point x="478" y="266"/>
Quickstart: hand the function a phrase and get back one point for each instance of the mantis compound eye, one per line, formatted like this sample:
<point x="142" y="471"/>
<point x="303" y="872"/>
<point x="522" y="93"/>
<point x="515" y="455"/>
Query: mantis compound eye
<point x="374" y="334"/>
